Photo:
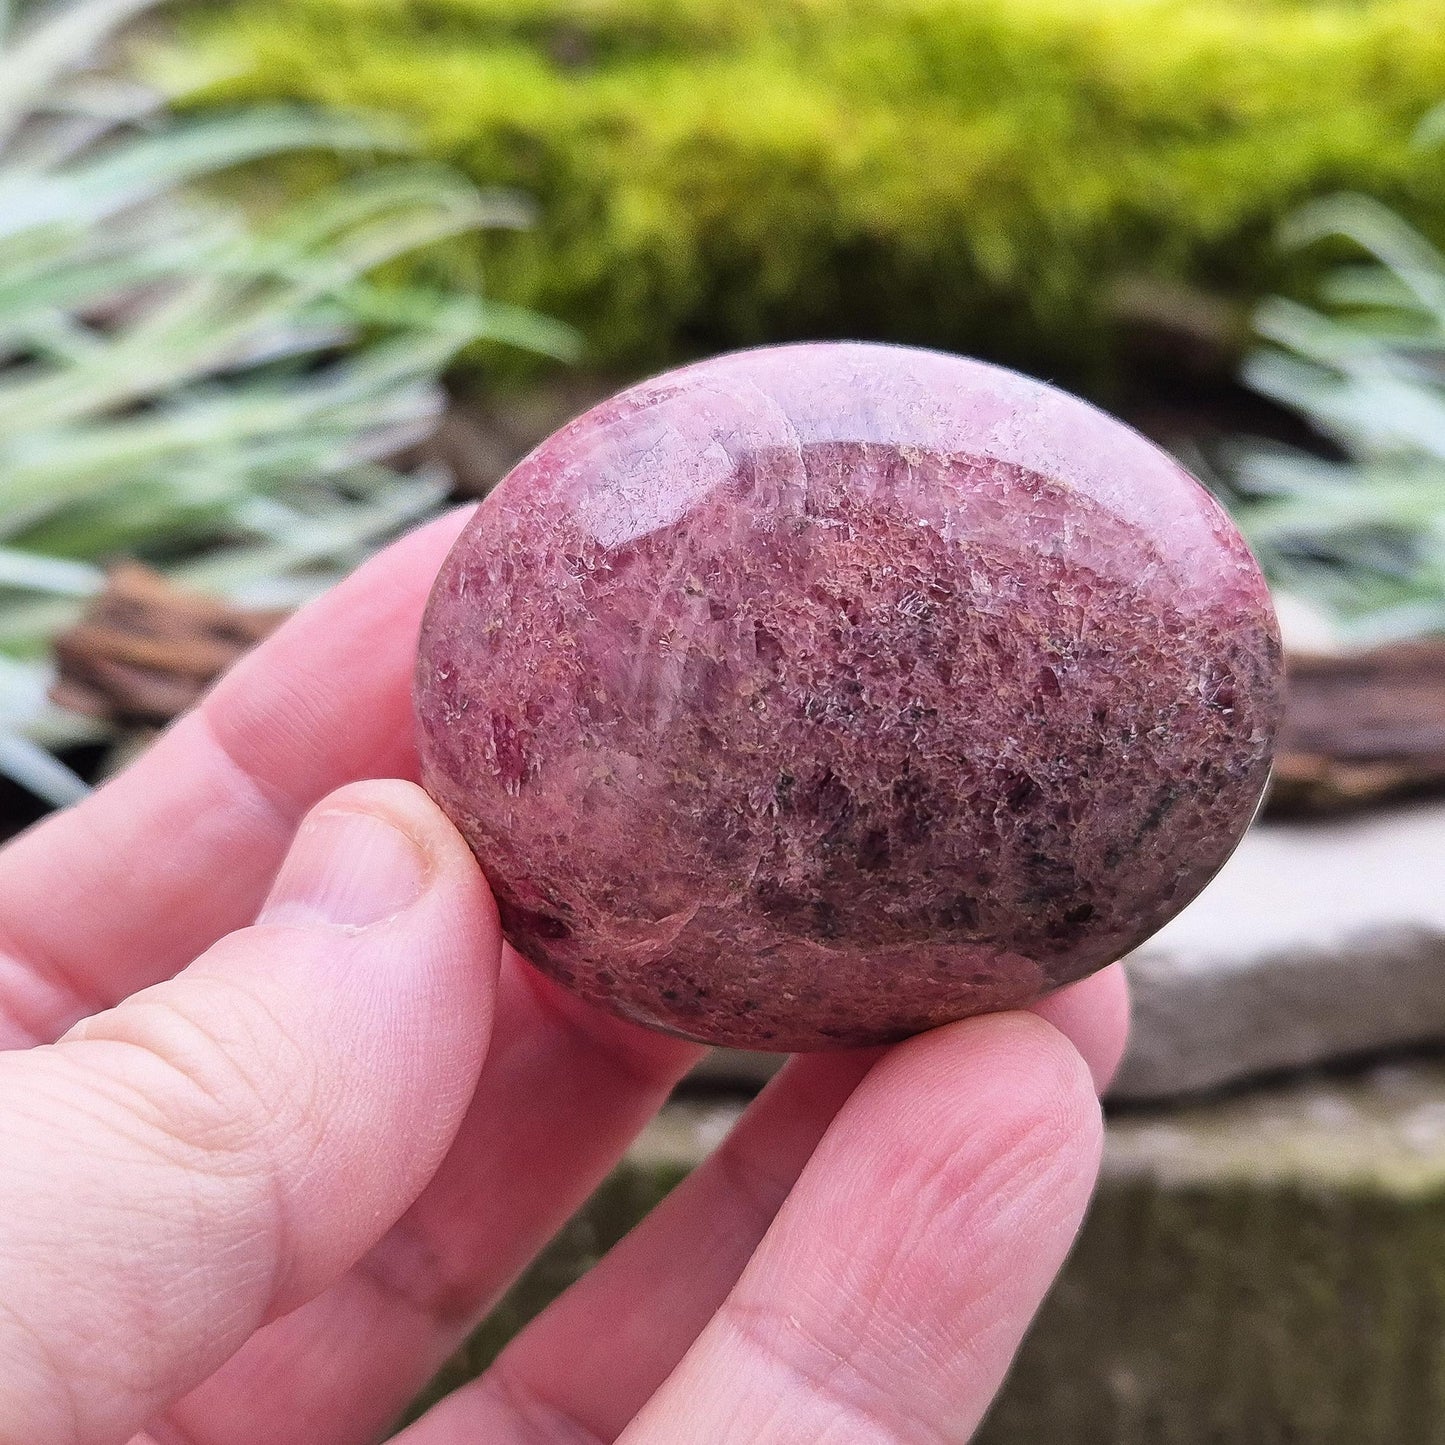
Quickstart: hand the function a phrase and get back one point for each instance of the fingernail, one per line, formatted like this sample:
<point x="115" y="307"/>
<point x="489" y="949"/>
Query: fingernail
<point x="347" y="868"/>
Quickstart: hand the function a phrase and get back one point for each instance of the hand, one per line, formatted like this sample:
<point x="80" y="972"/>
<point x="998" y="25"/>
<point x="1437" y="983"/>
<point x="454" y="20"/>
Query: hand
<point x="306" y="1117"/>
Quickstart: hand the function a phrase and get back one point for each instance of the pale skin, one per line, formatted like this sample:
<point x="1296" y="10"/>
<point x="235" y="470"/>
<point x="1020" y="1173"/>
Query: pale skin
<point x="280" y="1116"/>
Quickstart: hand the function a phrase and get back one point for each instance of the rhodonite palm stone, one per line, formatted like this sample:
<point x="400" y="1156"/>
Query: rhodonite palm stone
<point x="817" y="695"/>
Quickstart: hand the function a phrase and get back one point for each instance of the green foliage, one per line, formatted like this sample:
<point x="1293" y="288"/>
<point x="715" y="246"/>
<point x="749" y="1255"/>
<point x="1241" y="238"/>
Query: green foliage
<point x="183" y="383"/>
<point x="1363" y="535"/>
<point x="975" y="174"/>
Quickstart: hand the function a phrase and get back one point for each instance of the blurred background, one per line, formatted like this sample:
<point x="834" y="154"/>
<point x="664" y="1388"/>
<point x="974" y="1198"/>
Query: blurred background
<point x="280" y="278"/>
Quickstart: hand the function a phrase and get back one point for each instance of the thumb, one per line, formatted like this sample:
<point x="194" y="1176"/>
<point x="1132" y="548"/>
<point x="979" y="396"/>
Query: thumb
<point x="217" y="1149"/>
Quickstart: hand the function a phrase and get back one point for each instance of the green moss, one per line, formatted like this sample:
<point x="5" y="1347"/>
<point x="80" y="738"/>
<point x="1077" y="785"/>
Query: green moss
<point x="1232" y="1315"/>
<point x="972" y="173"/>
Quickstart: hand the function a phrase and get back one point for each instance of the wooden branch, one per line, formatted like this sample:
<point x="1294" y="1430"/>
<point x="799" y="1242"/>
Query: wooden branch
<point x="146" y="649"/>
<point x="1362" y="727"/>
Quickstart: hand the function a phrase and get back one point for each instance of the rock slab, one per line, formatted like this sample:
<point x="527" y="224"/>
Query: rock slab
<point x="1316" y="942"/>
<point x="1266" y="1270"/>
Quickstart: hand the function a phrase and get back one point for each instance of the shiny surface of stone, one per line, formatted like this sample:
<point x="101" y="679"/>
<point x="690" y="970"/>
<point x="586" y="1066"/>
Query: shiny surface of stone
<point x="816" y="695"/>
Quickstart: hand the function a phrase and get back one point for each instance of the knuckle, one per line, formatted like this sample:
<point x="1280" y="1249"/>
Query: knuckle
<point x="532" y="1418"/>
<point x="839" y="1374"/>
<point x="1040" y="1119"/>
<point x="754" y="1191"/>
<point x="210" y="1074"/>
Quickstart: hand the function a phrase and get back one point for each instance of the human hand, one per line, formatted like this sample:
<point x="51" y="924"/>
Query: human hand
<point x="307" y="1116"/>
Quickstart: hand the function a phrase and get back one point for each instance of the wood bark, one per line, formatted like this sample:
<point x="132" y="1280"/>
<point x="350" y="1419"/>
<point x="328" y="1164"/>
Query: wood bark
<point x="146" y="650"/>
<point x="1362" y="727"/>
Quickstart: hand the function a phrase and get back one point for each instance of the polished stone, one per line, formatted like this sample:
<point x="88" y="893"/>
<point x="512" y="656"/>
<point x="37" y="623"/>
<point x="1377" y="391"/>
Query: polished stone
<point x="817" y="695"/>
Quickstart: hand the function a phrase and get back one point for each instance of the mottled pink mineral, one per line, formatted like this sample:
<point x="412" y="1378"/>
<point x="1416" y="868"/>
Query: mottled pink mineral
<point x="817" y="695"/>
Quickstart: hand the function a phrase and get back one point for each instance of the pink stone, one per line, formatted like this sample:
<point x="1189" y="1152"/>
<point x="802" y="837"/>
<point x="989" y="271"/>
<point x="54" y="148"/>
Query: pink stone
<point x="817" y="695"/>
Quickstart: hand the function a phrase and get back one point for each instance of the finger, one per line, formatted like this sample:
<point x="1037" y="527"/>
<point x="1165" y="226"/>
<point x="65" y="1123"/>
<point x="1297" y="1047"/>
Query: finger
<point x="566" y="1376"/>
<point x="1094" y="1015"/>
<point x="219" y="1148"/>
<point x="658" y="1287"/>
<point x="564" y="1090"/>
<point x="891" y="1291"/>
<point x="129" y="886"/>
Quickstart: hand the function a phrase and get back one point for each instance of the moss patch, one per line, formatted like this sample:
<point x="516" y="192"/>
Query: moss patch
<point x="977" y="174"/>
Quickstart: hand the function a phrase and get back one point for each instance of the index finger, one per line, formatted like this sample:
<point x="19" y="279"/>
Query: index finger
<point x="125" y="889"/>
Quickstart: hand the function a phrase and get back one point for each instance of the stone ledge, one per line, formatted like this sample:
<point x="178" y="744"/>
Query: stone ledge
<point x="1267" y="1269"/>
<point x="1315" y="942"/>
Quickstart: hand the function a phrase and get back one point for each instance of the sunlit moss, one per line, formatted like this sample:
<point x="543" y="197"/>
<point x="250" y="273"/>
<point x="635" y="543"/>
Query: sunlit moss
<point x="978" y="174"/>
